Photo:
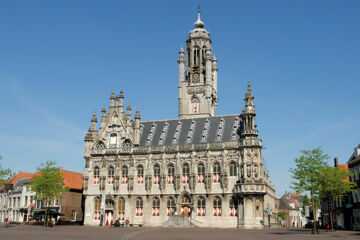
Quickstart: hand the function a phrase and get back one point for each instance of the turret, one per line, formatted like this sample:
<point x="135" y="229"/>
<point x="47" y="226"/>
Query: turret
<point x="112" y="103"/>
<point x="128" y="119"/>
<point x="93" y="122"/>
<point x="137" y="127"/>
<point x="121" y="101"/>
<point x="214" y="72"/>
<point x="248" y="115"/>
<point x="103" y="117"/>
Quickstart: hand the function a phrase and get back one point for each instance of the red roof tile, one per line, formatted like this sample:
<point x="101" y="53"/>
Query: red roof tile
<point x="72" y="180"/>
<point x="20" y="175"/>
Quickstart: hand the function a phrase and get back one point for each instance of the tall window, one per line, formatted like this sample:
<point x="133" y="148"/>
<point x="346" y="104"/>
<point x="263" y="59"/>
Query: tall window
<point x="97" y="211"/>
<point x="201" y="206"/>
<point x="186" y="172"/>
<point x="201" y="173"/>
<point x="124" y="175"/>
<point x="233" y="171"/>
<point x="111" y="175"/>
<point x="217" y="207"/>
<point x="139" y="207"/>
<point x="156" y="174"/>
<point x="156" y="207"/>
<point x="232" y="207"/>
<point x="217" y="171"/>
<point x="140" y="174"/>
<point x="170" y="206"/>
<point x="121" y="208"/>
<point x="113" y="140"/>
<point x="96" y="175"/>
<point x="171" y="172"/>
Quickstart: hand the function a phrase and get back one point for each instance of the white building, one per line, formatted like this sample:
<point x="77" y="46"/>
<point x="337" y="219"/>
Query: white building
<point x="207" y="167"/>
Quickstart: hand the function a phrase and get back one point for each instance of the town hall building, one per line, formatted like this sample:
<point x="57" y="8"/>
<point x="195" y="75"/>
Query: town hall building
<point x="204" y="167"/>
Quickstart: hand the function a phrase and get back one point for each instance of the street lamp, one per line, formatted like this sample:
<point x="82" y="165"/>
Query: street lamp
<point x="268" y="210"/>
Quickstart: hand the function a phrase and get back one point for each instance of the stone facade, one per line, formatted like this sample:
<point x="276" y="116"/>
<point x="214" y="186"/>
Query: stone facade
<point x="207" y="167"/>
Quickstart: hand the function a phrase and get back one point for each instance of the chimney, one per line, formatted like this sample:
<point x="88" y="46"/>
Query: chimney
<point x="335" y="162"/>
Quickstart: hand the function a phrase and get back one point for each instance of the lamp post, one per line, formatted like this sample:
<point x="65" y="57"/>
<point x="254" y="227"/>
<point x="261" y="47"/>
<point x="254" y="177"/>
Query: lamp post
<point x="268" y="210"/>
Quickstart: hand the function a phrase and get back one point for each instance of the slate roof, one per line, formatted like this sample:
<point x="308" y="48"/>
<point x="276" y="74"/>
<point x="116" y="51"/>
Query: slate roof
<point x="189" y="131"/>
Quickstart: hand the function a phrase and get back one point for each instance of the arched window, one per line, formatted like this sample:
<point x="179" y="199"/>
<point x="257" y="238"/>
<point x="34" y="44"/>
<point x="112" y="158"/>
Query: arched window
<point x="233" y="170"/>
<point x="111" y="175"/>
<point x="156" y="174"/>
<point x="186" y="172"/>
<point x="140" y="174"/>
<point x="171" y="172"/>
<point x="233" y="207"/>
<point x="97" y="210"/>
<point x="139" y="206"/>
<point x="113" y="140"/>
<point x="256" y="170"/>
<point x="217" y="171"/>
<point x="121" y="208"/>
<point x="170" y="206"/>
<point x="96" y="175"/>
<point x="201" y="206"/>
<point x="195" y="104"/>
<point x="201" y="173"/>
<point x="217" y="207"/>
<point x="124" y="175"/>
<point x="156" y="207"/>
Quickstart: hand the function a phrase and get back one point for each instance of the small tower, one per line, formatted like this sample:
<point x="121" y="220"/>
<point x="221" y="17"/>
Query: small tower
<point x="197" y="86"/>
<point x="248" y="115"/>
<point x="137" y="127"/>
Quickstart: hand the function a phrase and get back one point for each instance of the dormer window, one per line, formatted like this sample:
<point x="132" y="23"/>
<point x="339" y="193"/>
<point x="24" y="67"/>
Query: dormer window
<point x="206" y="123"/>
<point x="218" y="137"/>
<point x="113" y="140"/>
<point x="188" y="139"/>
<point x="203" y="138"/>
<point x="174" y="140"/>
<point x="148" y="141"/>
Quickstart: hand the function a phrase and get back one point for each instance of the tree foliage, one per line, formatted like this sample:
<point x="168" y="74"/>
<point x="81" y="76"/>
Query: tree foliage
<point x="334" y="182"/>
<point x="48" y="184"/>
<point x="307" y="176"/>
<point x="4" y="174"/>
<point x="282" y="215"/>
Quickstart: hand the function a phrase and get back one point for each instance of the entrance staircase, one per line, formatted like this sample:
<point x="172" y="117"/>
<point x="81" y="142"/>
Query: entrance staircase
<point x="178" y="221"/>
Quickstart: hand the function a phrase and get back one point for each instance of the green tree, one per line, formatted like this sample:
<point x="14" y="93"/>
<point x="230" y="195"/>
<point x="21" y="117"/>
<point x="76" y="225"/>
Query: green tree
<point x="334" y="183"/>
<point x="4" y="174"/>
<point x="48" y="185"/>
<point x="282" y="215"/>
<point x="307" y="176"/>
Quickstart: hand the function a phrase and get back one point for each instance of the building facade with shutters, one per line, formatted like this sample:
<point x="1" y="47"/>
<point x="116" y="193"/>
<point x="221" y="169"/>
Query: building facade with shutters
<point x="206" y="167"/>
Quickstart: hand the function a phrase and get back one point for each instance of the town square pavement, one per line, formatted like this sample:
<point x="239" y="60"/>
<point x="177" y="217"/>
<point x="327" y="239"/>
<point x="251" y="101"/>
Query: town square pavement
<point x="30" y="232"/>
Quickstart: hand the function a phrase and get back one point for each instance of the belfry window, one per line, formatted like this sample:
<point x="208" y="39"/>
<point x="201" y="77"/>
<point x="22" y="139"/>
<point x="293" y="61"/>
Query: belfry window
<point x="201" y="206"/>
<point x="170" y="206"/>
<point x="201" y="173"/>
<point x="113" y="140"/>
<point x="121" y="208"/>
<point x="233" y="207"/>
<point x="217" y="171"/>
<point x="156" y="174"/>
<point x="186" y="172"/>
<point x="140" y="174"/>
<point x="217" y="207"/>
<point x="124" y="175"/>
<point x="171" y="172"/>
<point x="233" y="169"/>
<point x="111" y="175"/>
<point x="156" y="207"/>
<point x="139" y="206"/>
<point x="96" y="175"/>
<point x="97" y="210"/>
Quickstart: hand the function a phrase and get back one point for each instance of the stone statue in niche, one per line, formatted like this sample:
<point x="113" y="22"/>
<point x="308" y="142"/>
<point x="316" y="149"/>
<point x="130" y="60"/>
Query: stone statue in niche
<point x="256" y="171"/>
<point x="248" y="170"/>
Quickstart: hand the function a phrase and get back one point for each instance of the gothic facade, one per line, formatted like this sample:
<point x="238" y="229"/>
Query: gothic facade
<point x="206" y="167"/>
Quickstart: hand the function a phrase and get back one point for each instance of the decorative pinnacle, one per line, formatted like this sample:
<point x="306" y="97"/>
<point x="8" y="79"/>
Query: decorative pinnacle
<point x="137" y="114"/>
<point x="103" y="109"/>
<point x="199" y="23"/>
<point x="121" y="94"/>
<point x="112" y="96"/>
<point x="128" y="108"/>
<point x="94" y="118"/>
<point x="248" y="94"/>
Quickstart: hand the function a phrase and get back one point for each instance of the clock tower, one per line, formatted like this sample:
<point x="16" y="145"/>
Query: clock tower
<point x="197" y="75"/>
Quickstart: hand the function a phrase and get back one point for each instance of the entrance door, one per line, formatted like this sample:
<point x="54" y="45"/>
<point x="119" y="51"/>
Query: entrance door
<point x="109" y="218"/>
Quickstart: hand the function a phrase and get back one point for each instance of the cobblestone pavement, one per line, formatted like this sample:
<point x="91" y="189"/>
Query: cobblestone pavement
<point x="29" y="232"/>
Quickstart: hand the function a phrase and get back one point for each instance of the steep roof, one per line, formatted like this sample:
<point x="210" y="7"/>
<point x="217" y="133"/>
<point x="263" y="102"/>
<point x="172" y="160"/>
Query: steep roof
<point x="72" y="180"/>
<point x="188" y="131"/>
<point x="19" y="176"/>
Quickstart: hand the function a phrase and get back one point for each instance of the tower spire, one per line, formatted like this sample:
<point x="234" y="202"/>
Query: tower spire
<point x="199" y="23"/>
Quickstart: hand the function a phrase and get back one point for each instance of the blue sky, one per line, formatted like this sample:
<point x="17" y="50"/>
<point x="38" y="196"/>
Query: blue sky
<point x="60" y="60"/>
